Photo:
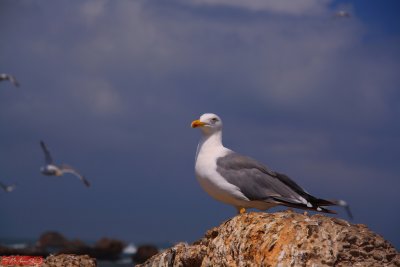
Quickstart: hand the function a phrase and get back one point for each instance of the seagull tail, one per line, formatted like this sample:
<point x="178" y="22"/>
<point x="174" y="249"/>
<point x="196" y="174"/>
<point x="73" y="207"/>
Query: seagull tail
<point x="315" y="206"/>
<point x="335" y="202"/>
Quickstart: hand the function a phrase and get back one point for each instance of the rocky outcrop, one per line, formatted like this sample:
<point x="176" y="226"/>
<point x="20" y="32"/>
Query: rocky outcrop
<point x="144" y="252"/>
<point x="282" y="239"/>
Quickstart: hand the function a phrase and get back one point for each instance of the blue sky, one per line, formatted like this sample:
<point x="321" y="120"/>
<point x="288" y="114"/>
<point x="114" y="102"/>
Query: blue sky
<point x="112" y="86"/>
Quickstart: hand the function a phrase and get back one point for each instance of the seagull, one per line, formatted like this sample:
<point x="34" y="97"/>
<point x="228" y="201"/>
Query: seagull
<point x="7" y="188"/>
<point x="244" y="182"/>
<point x="9" y="77"/>
<point x="52" y="169"/>
<point x="342" y="14"/>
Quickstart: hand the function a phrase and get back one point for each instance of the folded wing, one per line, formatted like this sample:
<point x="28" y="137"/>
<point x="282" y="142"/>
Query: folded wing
<point x="258" y="183"/>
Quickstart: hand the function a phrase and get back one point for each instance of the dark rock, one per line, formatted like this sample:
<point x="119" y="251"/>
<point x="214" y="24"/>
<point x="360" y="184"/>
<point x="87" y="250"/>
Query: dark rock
<point x="29" y="251"/>
<point x="55" y="243"/>
<point x="108" y="249"/>
<point x="52" y="240"/>
<point x="77" y="247"/>
<point x="144" y="252"/>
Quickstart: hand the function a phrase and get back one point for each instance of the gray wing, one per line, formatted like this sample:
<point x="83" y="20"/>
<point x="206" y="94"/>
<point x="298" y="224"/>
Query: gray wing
<point x="47" y="156"/>
<point x="11" y="78"/>
<point x="8" y="188"/>
<point x="257" y="182"/>
<point x="68" y="169"/>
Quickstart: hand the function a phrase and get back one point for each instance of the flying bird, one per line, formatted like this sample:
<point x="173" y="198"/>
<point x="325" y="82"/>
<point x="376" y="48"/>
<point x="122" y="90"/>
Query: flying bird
<point x="51" y="169"/>
<point x="342" y="14"/>
<point x="244" y="182"/>
<point x="8" y="188"/>
<point x="9" y="77"/>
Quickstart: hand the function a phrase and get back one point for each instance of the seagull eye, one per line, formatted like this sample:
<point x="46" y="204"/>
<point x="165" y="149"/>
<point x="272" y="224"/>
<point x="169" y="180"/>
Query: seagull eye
<point x="214" y="120"/>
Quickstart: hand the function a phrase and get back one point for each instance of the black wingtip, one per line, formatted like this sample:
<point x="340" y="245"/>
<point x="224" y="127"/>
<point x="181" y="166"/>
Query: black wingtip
<point x="314" y="206"/>
<point x="86" y="182"/>
<point x="323" y="202"/>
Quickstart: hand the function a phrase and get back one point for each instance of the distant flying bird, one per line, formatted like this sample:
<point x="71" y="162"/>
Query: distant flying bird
<point x="342" y="14"/>
<point x="7" y="188"/>
<point x="9" y="77"/>
<point x="52" y="169"/>
<point x="244" y="182"/>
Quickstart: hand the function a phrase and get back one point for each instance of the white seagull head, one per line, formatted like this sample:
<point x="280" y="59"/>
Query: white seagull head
<point x="208" y="123"/>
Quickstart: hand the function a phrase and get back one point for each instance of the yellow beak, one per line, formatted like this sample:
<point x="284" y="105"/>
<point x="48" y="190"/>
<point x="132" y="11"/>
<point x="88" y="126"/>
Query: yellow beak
<point x="197" y="123"/>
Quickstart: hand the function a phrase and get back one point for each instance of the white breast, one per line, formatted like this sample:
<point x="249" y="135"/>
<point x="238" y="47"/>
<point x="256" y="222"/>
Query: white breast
<point x="211" y="181"/>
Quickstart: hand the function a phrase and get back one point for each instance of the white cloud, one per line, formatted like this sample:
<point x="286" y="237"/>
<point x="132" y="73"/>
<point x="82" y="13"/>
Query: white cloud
<point x="92" y="10"/>
<point x="96" y="95"/>
<point x="290" y="64"/>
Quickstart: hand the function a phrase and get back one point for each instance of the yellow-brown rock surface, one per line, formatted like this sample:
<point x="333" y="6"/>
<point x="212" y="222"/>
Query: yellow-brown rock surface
<point x="69" y="260"/>
<point x="282" y="239"/>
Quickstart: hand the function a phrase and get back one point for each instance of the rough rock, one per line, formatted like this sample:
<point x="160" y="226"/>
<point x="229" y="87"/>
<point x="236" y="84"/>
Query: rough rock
<point x="282" y="239"/>
<point x="68" y="260"/>
<point x="144" y="252"/>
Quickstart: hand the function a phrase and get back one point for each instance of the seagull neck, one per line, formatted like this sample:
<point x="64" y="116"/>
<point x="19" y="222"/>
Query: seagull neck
<point x="211" y="141"/>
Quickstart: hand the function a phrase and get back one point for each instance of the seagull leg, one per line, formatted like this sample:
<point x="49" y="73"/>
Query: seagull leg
<point x="241" y="210"/>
